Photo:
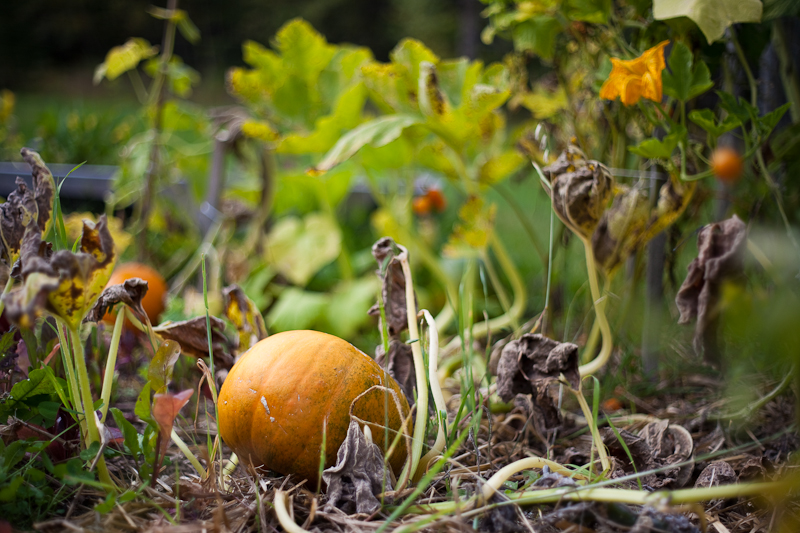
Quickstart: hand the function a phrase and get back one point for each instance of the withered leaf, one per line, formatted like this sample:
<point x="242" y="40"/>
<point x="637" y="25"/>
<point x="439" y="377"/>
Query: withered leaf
<point x="580" y="190"/>
<point x="715" y="474"/>
<point x="66" y="283"/>
<point x="534" y="359"/>
<point x="166" y="407"/>
<point x="44" y="188"/>
<point x="671" y="445"/>
<point x="630" y="222"/>
<point x="359" y="475"/>
<point x="400" y="366"/>
<point x="719" y="257"/>
<point x="130" y="293"/>
<point x="193" y="338"/>
<point x="17" y="213"/>
<point x="393" y="287"/>
<point x="244" y="314"/>
<point x="528" y="365"/>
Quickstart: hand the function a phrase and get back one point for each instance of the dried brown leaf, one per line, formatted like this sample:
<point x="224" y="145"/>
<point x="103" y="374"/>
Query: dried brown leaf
<point x="359" y="475"/>
<point x="17" y="213"/>
<point x="166" y="407"/>
<point x="44" y="188"/>
<point x="719" y="257"/>
<point x="400" y="366"/>
<point x="130" y="293"/>
<point x="580" y="190"/>
<point x="193" y="338"/>
<point x="715" y="474"/>
<point x="393" y="288"/>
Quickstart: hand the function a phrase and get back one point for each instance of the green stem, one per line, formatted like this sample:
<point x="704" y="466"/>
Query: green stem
<point x="436" y="390"/>
<point x="111" y="363"/>
<point x="599" y="309"/>
<point x="69" y="368"/>
<point x="419" y="367"/>
<point x="751" y="80"/>
<point x="591" y="342"/>
<point x="188" y="453"/>
<point x="93" y="433"/>
<point x="495" y="281"/>
<point x="6" y="289"/>
<point x="592" y="423"/>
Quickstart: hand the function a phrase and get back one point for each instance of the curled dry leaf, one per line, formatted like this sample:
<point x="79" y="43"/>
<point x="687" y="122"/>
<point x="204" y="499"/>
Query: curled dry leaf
<point x="715" y="474"/>
<point x="393" y="289"/>
<point x="65" y="284"/>
<point x="24" y="206"/>
<point x="579" y="189"/>
<point x="244" y="314"/>
<point x="719" y="257"/>
<point x="400" y="365"/>
<point x="193" y="338"/>
<point x="529" y="364"/>
<point x="130" y="293"/>
<point x="359" y="475"/>
<point x="630" y="222"/>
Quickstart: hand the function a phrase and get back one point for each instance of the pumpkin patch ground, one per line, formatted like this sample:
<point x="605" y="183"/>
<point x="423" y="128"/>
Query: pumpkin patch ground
<point x="547" y="283"/>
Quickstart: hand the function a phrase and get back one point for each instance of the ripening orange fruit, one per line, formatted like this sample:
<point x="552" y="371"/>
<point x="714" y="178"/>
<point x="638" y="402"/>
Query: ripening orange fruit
<point x="727" y="164"/>
<point x="153" y="302"/>
<point x="437" y="199"/>
<point x="422" y="205"/>
<point x="612" y="404"/>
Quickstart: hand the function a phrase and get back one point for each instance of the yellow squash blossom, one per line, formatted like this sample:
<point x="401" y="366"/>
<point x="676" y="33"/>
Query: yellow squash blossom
<point x="636" y="78"/>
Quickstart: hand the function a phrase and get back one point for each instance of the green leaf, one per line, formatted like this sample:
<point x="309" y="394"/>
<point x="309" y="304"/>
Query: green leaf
<point x="685" y="80"/>
<point x="106" y="505"/>
<point x="297" y="309"/>
<point x="655" y="149"/>
<point x="738" y="107"/>
<point x="377" y="132"/>
<point x="91" y="452"/>
<point x="499" y="167"/>
<point x="26" y="390"/>
<point x="159" y="372"/>
<point x="537" y="35"/>
<point x="142" y="407"/>
<point x="768" y="122"/>
<point x="128" y="430"/>
<point x="299" y="248"/>
<point x="349" y="303"/>
<point x="711" y="16"/>
<point x="592" y="11"/>
<point x="49" y="411"/>
<point x="706" y="119"/>
<point x="121" y="59"/>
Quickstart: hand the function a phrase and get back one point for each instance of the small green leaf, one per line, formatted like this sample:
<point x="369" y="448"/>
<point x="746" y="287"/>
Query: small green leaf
<point x="106" y="505"/>
<point x="49" y="411"/>
<point x="655" y="149"/>
<point x="128" y="431"/>
<point x="142" y="407"/>
<point x="159" y="373"/>
<point x="592" y="11"/>
<point x="91" y="452"/>
<point x="768" y="122"/>
<point x="706" y="119"/>
<point x="537" y="35"/>
<point x="738" y="107"/>
<point x="121" y="59"/>
<point x="685" y="80"/>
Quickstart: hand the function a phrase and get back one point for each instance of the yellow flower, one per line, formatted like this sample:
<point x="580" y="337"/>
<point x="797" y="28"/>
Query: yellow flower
<point x="637" y="78"/>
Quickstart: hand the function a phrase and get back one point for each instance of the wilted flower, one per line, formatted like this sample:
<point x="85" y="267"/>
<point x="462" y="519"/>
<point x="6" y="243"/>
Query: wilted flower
<point x="636" y="78"/>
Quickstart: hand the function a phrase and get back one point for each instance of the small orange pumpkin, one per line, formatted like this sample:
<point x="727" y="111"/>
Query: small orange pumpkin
<point x="153" y="301"/>
<point x="279" y="395"/>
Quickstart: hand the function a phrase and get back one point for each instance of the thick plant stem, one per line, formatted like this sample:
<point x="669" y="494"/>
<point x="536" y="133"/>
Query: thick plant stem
<point x="111" y="363"/>
<point x="419" y="366"/>
<point x="286" y="520"/>
<point x="494" y="483"/>
<point x="436" y="391"/>
<point x="599" y="309"/>
<point x="92" y="432"/>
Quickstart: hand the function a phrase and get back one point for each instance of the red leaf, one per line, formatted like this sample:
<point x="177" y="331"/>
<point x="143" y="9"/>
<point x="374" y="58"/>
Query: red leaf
<point x="165" y="408"/>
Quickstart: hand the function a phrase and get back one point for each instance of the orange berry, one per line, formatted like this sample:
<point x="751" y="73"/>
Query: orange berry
<point x="437" y="199"/>
<point x="612" y="404"/>
<point x="727" y="164"/>
<point x="422" y="205"/>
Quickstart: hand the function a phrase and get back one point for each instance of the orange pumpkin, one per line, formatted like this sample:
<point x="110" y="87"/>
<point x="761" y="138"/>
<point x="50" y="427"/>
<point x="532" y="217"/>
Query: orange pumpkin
<point x="153" y="301"/>
<point x="278" y="397"/>
<point x="727" y="164"/>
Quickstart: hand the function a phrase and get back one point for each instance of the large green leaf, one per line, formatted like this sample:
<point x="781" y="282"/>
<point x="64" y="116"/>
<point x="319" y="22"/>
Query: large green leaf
<point x="297" y="309"/>
<point x="121" y="59"/>
<point x="655" y="149"/>
<point x="705" y="119"/>
<point x="377" y="132"/>
<point x="349" y="304"/>
<point x="711" y="16"/>
<point x="298" y="248"/>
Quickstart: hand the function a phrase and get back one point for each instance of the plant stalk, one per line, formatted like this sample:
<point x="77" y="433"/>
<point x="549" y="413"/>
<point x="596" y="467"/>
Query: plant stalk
<point x="599" y="309"/>
<point x="111" y="363"/>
